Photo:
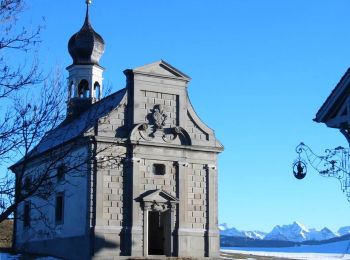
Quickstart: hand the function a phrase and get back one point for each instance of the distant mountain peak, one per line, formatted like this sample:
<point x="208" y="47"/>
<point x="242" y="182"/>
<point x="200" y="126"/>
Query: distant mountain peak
<point x="223" y="226"/>
<point x="344" y="231"/>
<point x="295" y="232"/>
<point x="233" y="232"/>
<point x="302" y="226"/>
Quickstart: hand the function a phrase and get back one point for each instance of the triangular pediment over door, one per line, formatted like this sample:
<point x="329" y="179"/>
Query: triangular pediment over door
<point x="158" y="200"/>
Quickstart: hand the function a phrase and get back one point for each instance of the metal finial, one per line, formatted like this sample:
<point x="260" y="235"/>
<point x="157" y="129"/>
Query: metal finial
<point x="87" y="20"/>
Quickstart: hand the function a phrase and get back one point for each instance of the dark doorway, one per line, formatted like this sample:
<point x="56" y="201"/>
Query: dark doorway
<point x="155" y="233"/>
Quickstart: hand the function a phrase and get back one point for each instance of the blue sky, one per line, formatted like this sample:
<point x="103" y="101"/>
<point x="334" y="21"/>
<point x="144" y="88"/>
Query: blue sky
<point x="260" y="71"/>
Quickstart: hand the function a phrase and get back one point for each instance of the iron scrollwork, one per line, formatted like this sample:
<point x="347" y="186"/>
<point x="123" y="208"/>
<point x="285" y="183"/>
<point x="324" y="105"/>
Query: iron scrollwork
<point x="299" y="166"/>
<point x="334" y="163"/>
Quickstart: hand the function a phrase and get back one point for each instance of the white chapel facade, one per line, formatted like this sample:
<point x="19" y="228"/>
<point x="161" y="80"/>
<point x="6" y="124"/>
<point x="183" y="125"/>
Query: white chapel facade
<point x="140" y="167"/>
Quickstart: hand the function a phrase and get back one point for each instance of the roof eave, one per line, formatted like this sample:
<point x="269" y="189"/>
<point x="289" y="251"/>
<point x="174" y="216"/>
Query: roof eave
<point x="334" y="98"/>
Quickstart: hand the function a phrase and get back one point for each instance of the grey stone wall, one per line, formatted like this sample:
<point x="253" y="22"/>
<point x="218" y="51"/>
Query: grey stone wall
<point x="149" y="99"/>
<point x="150" y="181"/>
<point x="195" y="132"/>
<point x="113" y="196"/>
<point x="112" y="124"/>
<point x="197" y="204"/>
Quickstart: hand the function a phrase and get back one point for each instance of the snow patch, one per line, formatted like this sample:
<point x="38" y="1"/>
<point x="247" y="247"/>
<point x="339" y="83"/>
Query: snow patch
<point x="340" y="250"/>
<point x="6" y="256"/>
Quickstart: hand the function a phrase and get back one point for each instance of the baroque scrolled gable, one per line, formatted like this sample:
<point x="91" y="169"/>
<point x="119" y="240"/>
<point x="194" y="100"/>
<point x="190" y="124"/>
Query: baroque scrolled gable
<point x="162" y="109"/>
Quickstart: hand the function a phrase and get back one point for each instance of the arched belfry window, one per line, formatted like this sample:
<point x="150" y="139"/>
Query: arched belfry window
<point x="71" y="90"/>
<point x="97" y="89"/>
<point x="83" y="89"/>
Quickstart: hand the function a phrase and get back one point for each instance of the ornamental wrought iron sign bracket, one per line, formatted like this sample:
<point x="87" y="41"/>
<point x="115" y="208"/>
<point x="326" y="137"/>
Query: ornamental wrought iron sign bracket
<point x="334" y="163"/>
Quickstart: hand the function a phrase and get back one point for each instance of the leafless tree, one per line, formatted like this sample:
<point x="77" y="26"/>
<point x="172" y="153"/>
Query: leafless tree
<point x="15" y="77"/>
<point x="30" y="105"/>
<point x="33" y="107"/>
<point x="21" y="129"/>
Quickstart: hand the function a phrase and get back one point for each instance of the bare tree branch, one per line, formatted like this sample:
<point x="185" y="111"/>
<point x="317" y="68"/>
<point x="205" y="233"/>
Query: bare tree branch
<point x="32" y="112"/>
<point x="14" y="78"/>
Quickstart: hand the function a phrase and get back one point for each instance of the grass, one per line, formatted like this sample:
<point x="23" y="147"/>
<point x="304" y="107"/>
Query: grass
<point x="6" y="229"/>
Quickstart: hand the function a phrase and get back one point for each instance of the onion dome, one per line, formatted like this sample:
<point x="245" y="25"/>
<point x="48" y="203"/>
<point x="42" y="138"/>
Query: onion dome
<point x="86" y="46"/>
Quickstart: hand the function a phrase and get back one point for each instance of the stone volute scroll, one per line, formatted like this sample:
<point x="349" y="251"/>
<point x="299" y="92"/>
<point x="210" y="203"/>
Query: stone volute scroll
<point x="156" y="129"/>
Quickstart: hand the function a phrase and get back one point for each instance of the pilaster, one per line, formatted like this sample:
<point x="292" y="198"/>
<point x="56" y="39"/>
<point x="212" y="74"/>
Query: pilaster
<point x="136" y="228"/>
<point x="182" y="212"/>
<point x="212" y="233"/>
<point x="172" y="229"/>
<point x="146" y="210"/>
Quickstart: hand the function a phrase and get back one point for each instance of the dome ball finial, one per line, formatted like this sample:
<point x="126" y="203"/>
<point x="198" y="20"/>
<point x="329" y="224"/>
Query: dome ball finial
<point x="86" y="46"/>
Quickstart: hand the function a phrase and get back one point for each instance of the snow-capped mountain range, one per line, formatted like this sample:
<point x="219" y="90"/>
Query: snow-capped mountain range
<point x="295" y="232"/>
<point x="233" y="232"/>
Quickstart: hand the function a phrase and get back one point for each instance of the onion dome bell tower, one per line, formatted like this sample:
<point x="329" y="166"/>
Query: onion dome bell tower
<point x="85" y="74"/>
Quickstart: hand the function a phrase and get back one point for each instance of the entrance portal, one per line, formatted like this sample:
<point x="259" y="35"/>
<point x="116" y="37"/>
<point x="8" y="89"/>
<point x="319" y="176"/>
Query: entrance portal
<point x="158" y="223"/>
<point x="156" y="233"/>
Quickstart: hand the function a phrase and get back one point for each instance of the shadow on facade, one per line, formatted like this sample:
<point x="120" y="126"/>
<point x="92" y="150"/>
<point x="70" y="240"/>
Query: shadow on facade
<point x="125" y="235"/>
<point x="102" y="243"/>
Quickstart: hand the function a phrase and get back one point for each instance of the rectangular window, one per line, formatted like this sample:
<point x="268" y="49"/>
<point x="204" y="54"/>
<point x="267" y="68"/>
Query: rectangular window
<point x="26" y="214"/>
<point x="27" y="184"/>
<point x="59" y="212"/>
<point x="158" y="169"/>
<point x="61" y="172"/>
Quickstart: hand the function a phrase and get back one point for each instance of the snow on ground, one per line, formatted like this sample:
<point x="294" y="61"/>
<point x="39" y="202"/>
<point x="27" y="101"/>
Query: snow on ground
<point x="310" y="256"/>
<point x="337" y="250"/>
<point x="5" y="256"/>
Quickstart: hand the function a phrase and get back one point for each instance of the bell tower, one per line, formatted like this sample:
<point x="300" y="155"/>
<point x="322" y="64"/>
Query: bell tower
<point x="85" y="74"/>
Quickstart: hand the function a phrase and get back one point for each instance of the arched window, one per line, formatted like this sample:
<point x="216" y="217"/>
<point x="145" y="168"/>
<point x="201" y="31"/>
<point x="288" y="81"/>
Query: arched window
<point x="83" y="89"/>
<point x="71" y="90"/>
<point x="97" y="89"/>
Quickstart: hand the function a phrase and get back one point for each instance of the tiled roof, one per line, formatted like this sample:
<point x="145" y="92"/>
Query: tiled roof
<point x="67" y="131"/>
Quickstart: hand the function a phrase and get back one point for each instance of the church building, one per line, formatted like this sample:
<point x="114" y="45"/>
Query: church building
<point x="134" y="173"/>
